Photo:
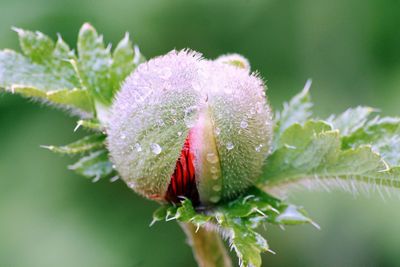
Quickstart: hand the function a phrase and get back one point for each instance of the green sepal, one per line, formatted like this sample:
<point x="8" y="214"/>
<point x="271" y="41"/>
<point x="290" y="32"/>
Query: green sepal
<point x="90" y="124"/>
<point x="238" y="221"/>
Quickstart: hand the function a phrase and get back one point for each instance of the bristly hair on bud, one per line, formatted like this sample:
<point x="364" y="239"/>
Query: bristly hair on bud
<point x="184" y="126"/>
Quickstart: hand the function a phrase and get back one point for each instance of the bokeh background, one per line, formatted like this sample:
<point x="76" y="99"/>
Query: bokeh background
<point x="51" y="217"/>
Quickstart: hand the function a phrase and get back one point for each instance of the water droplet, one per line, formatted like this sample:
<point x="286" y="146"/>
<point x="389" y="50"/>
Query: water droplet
<point x="138" y="147"/>
<point x="215" y="177"/>
<point x="123" y="137"/>
<point x="217" y="131"/>
<point x="189" y="118"/>
<point x="160" y="122"/>
<point x="179" y="133"/>
<point x="258" y="148"/>
<point x="229" y="146"/>
<point x="213" y="169"/>
<point x="252" y="111"/>
<point x="243" y="124"/>
<point x="132" y="185"/>
<point x="215" y="199"/>
<point x="155" y="148"/>
<point x="217" y="187"/>
<point x="259" y="107"/>
<point x="212" y="158"/>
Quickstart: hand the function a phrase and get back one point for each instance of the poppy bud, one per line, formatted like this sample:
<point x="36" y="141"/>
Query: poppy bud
<point x="183" y="126"/>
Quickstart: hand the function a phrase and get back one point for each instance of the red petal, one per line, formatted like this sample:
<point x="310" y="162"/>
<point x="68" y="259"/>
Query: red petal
<point x="183" y="180"/>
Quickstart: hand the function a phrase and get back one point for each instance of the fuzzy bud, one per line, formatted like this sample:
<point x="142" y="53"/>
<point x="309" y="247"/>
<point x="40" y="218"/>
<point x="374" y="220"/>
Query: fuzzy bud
<point x="183" y="126"/>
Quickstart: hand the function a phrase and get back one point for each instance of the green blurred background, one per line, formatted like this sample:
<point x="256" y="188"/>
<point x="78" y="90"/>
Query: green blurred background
<point x="51" y="217"/>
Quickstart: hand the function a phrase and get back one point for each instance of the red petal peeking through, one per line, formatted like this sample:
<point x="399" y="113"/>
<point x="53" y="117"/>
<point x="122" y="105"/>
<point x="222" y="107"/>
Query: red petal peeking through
<point x="183" y="180"/>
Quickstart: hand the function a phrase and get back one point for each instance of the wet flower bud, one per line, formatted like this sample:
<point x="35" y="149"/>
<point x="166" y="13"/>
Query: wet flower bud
<point x="183" y="126"/>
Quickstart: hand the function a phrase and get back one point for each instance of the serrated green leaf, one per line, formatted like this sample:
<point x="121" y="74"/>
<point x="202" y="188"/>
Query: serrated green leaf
<point x="123" y="62"/>
<point x="297" y="110"/>
<point x="48" y="66"/>
<point x="382" y="134"/>
<point x="86" y="144"/>
<point x="94" y="63"/>
<point x="44" y="72"/>
<point x="76" y="98"/>
<point x="351" y="120"/>
<point x="292" y="215"/>
<point x="312" y="153"/>
<point x="36" y="45"/>
<point x="96" y="165"/>
<point x="17" y="70"/>
<point x="55" y="57"/>
<point x="247" y="244"/>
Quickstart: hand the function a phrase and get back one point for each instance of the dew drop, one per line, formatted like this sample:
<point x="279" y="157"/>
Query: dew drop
<point x="217" y="187"/>
<point x="123" y="137"/>
<point x="138" y="147"/>
<point x="212" y="158"/>
<point x="258" y="148"/>
<point x="213" y="169"/>
<point x="215" y="199"/>
<point x="217" y="131"/>
<point x="229" y="146"/>
<point x="160" y="122"/>
<point x="215" y="177"/>
<point x="189" y="118"/>
<point x="155" y="148"/>
<point x="179" y="133"/>
<point x="244" y="124"/>
<point x="132" y="185"/>
<point x="259" y="107"/>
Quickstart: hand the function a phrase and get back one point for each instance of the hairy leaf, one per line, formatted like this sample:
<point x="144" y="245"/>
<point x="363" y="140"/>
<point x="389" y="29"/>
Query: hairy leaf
<point x="17" y="70"/>
<point x="44" y="72"/>
<point x="298" y="110"/>
<point x="382" y="134"/>
<point x="351" y="120"/>
<point x="50" y="71"/>
<point x="86" y="144"/>
<point x="96" y="165"/>
<point x="123" y="62"/>
<point x="313" y="153"/>
<point x="94" y="63"/>
<point x="76" y="98"/>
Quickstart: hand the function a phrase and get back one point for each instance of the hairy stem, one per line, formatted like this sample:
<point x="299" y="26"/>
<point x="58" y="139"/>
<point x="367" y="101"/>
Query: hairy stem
<point x="207" y="246"/>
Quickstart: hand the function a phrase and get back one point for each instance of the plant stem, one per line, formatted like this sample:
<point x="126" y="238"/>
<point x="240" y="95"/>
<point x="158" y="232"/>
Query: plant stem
<point x="207" y="246"/>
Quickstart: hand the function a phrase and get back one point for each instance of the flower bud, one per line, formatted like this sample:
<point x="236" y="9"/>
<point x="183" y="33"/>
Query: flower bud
<point x="183" y="126"/>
